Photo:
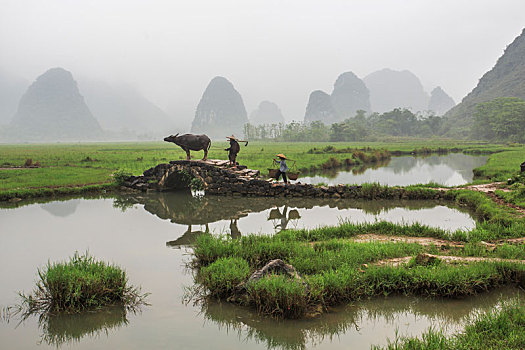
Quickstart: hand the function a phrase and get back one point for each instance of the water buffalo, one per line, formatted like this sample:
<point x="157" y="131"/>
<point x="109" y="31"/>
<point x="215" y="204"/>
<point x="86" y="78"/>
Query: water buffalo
<point x="191" y="142"/>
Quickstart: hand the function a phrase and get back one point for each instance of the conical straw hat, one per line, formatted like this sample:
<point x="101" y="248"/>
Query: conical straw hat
<point x="280" y="155"/>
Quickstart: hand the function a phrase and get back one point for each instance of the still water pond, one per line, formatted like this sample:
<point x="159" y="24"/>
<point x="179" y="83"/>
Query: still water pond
<point x="450" y="170"/>
<point x="139" y="233"/>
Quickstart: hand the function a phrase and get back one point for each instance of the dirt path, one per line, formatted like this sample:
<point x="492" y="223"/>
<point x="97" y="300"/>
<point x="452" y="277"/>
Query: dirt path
<point x="489" y="190"/>
<point x="446" y="258"/>
<point x="502" y="202"/>
<point x="425" y="241"/>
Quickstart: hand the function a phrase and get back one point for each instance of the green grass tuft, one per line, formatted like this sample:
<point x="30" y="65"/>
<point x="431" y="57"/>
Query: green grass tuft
<point x="82" y="283"/>
<point x="221" y="277"/>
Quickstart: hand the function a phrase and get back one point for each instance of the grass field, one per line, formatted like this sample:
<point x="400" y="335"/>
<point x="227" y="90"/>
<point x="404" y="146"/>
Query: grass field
<point x="65" y="167"/>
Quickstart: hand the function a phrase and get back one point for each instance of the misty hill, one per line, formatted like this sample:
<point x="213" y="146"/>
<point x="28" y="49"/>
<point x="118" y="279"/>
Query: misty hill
<point x="390" y="89"/>
<point x="53" y="109"/>
<point x="505" y="79"/>
<point x="11" y="90"/>
<point x="320" y="108"/>
<point x="124" y="109"/>
<point x="267" y="113"/>
<point x="350" y="94"/>
<point x="440" y="102"/>
<point x="221" y="111"/>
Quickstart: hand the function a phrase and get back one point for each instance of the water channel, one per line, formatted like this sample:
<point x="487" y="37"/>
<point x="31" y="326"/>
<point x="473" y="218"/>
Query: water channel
<point x="449" y="170"/>
<point x="150" y="236"/>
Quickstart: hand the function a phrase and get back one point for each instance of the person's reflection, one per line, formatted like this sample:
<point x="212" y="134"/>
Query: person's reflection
<point x="284" y="217"/>
<point x="187" y="238"/>
<point x="234" y="230"/>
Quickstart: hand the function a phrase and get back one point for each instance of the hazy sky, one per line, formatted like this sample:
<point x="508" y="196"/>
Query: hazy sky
<point x="270" y="50"/>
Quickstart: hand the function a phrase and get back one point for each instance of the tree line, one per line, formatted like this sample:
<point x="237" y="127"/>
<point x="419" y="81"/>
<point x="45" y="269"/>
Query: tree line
<point x="399" y="122"/>
<point x="502" y="119"/>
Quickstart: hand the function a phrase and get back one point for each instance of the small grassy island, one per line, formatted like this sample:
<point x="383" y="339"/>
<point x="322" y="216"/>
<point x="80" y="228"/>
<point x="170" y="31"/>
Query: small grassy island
<point x="82" y="283"/>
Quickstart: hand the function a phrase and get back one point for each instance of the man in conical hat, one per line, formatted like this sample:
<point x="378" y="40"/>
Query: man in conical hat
<point x="234" y="149"/>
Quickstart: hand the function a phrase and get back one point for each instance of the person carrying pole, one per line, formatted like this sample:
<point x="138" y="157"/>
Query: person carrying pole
<point x="283" y="168"/>
<point x="234" y="149"/>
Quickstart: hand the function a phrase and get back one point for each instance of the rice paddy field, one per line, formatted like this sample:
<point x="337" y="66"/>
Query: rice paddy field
<point x="41" y="170"/>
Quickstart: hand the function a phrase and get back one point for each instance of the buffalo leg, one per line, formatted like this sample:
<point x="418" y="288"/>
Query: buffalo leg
<point x="187" y="154"/>
<point x="205" y="154"/>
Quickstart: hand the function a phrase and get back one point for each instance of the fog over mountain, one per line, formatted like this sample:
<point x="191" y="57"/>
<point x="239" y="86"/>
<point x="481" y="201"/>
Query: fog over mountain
<point x="267" y="113"/>
<point x="51" y="109"/>
<point x="349" y="95"/>
<point x="320" y="108"/>
<point x="11" y="90"/>
<point x="390" y="89"/>
<point x="505" y="79"/>
<point x="440" y="102"/>
<point x="279" y="51"/>
<point x="221" y="110"/>
<point x="124" y="109"/>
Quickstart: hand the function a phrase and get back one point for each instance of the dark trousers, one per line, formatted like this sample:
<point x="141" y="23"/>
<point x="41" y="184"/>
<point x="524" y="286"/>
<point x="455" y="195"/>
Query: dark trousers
<point x="279" y="173"/>
<point x="232" y="156"/>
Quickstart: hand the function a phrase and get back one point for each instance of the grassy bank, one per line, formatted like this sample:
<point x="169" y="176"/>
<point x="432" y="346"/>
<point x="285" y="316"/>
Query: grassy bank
<point x="64" y="166"/>
<point x="502" y="328"/>
<point x="338" y="270"/>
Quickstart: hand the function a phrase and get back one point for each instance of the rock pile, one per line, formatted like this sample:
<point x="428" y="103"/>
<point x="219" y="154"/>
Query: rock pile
<point x="215" y="178"/>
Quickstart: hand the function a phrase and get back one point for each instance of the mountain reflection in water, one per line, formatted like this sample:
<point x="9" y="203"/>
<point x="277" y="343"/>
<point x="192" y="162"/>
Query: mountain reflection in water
<point x="282" y="213"/>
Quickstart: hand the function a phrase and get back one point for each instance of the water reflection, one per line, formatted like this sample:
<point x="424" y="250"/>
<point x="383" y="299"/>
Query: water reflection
<point x="68" y="329"/>
<point x="243" y="215"/>
<point x="449" y="170"/>
<point x="353" y="322"/>
<point x="281" y="219"/>
<point x="354" y="169"/>
<point x="135" y="238"/>
<point x="189" y="237"/>
<point x="61" y="208"/>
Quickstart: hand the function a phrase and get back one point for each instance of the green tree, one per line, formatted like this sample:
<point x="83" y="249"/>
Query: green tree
<point x="502" y="119"/>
